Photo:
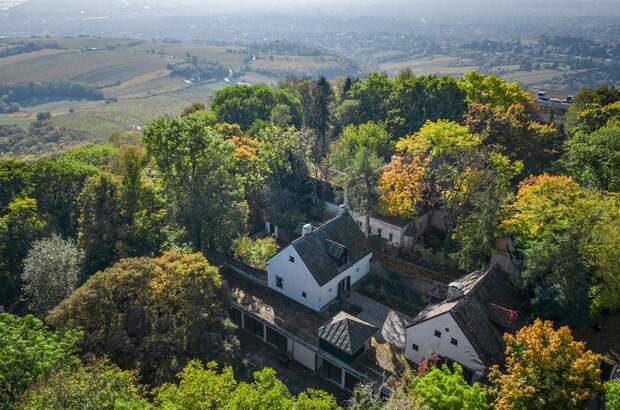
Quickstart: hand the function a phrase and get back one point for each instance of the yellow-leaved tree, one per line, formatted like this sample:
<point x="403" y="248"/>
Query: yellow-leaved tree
<point x="545" y="369"/>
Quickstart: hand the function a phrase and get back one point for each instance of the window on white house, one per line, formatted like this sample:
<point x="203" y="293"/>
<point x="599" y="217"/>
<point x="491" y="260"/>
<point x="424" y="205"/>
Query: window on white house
<point x="304" y="294"/>
<point x="454" y="342"/>
<point x="414" y="347"/>
<point x="437" y="333"/>
<point x="391" y="237"/>
<point x="279" y="282"/>
<point x="379" y="231"/>
<point x="291" y="259"/>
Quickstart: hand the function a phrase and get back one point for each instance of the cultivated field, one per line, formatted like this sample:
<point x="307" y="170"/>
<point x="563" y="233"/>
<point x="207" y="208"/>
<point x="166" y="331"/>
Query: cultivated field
<point x="439" y="64"/>
<point x="133" y="75"/>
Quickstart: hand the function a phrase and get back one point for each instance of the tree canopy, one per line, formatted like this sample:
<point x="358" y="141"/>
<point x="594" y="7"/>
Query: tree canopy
<point x="244" y="104"/>
<point x="445" y="389"/>
<point x="545" y="369"/>
<point x="152" y="314"/>
<point x="198" y="168"/>
<point x="593" y="159"/>
<point x="206" y="387"/>
<point x="91" y="386"/>
<point x="29" y="353"/>
<point x="567" y="235"/>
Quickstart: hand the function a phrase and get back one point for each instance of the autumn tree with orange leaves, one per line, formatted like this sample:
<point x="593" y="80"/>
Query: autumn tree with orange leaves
<point x="545" y="369"/>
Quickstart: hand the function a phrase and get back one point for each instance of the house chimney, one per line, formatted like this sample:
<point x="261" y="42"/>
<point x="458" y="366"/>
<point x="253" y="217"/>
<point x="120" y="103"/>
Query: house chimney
<point x="306" y="229"/>
<point x="455" y="291"/>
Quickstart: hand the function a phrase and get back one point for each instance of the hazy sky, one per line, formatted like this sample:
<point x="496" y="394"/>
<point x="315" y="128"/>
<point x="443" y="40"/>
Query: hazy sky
<point x="377" y="8"/>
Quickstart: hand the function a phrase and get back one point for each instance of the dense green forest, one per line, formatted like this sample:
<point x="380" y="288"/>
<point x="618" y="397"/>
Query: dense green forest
<point x="38" y="93"/>
<point x="105" y="249"/>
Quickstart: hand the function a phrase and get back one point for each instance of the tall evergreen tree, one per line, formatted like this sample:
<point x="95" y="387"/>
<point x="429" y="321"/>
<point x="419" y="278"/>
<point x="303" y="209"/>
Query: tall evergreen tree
<point x="322" y="98"/>
<point x="100" y="223"/>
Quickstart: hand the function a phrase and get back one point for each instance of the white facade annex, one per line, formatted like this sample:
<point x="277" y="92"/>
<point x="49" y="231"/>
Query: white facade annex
<point x="441" y="335"/>
<point x="395" y="234"/>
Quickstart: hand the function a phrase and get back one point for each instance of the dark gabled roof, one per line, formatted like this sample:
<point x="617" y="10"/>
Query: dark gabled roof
<point x="346" y="332"/>
<point x="320" y="248"/>
<point x="472" y="313"/>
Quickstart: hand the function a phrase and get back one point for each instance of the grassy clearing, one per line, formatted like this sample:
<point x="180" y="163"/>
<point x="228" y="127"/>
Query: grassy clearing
<point x="90" y="68"/>
<point x="251" y="77"/>
<point x="439" y="64"/>
<point x="28" y="56"/>
<point x="20" y="119"/>
<point x="163" y="85"/>
<point x="140" y="79"/>
<point x="90" y="123"/>
<point x="117" y="72"/>
<point x="281" y="63"/>
<point x="532" y="77"/>
<point x="101" y="119"/>
<point x="230" y="57"/>
<point x="86" y="42"/>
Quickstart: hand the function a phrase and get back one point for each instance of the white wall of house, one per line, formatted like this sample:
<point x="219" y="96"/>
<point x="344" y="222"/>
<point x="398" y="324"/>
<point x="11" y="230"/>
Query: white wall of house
<point x="297" y="279"/>
<point x="357" y="271"/>
<point x="385" y="228"/>
<point x="304" y="355"/>
<point x="423" y="335"/>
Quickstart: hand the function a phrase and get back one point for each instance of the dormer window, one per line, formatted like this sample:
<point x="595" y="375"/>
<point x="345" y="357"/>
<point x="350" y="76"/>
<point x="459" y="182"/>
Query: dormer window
<point x="337" y="252"/>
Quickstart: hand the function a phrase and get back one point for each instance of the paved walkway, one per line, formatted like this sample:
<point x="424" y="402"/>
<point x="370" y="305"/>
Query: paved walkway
<point x="392" y="324"/>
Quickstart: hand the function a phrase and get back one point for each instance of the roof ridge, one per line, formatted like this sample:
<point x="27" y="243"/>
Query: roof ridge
<point x="321" y="226"/>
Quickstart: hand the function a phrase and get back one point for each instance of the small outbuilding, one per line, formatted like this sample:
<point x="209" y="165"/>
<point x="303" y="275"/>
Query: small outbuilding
<point x="345" y="336"/>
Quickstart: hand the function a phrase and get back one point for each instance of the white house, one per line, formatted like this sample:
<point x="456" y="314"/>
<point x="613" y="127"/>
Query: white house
<point x="396" y="231"/>
<point x="467" y="327"/>
<point x="324" y="262"/>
